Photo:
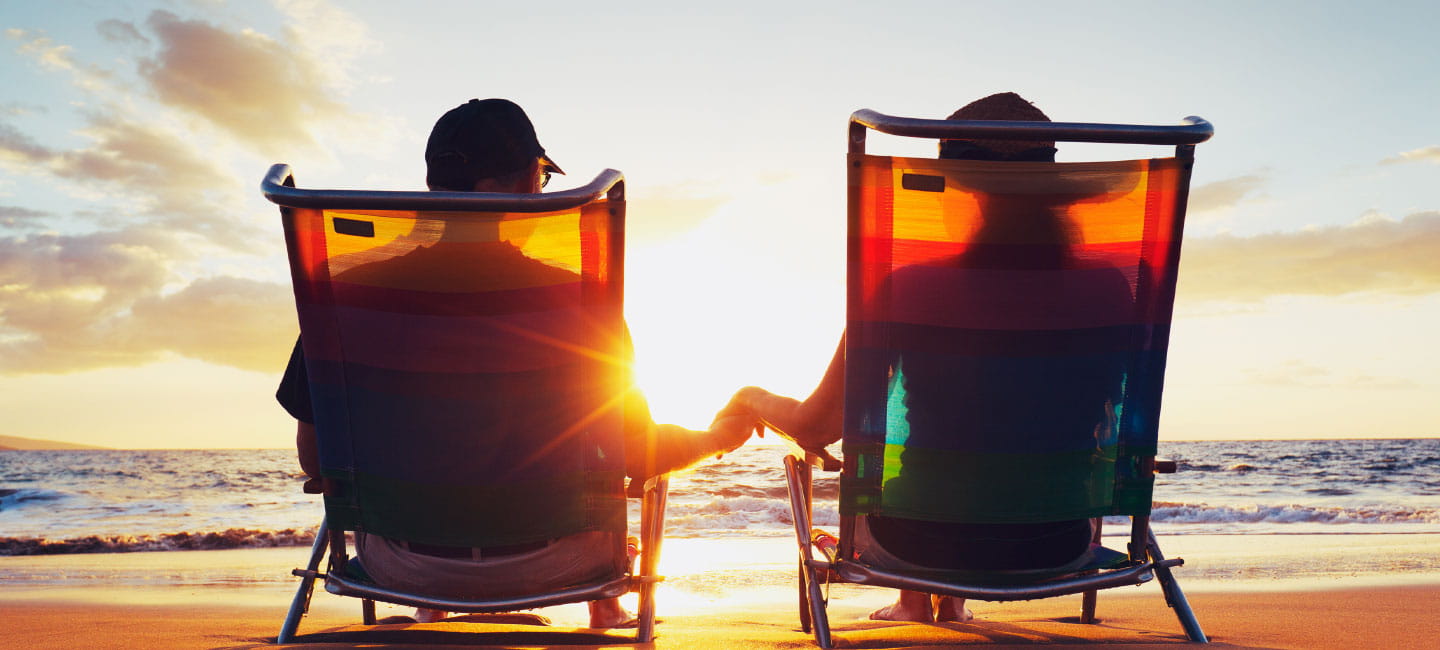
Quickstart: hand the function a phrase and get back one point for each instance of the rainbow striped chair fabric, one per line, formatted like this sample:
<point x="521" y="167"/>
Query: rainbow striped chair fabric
<point x="466" y="354"/>
<point x="1005" y="351"/>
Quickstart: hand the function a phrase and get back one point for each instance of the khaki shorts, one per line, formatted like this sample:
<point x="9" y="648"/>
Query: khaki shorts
<point x="571" y="561"/>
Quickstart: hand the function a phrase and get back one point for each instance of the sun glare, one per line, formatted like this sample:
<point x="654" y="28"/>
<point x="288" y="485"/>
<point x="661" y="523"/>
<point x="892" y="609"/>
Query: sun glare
<point x="725" y="305"/>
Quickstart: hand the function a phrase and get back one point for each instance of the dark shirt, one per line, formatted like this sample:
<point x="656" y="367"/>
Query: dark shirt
<point x="294" y="391"/>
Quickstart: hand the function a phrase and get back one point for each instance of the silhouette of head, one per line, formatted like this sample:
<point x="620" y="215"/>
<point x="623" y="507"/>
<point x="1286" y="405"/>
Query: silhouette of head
<point x="488" y="143"/>
<point x="1008" y="217"/>
<point x="1000" y="106"/>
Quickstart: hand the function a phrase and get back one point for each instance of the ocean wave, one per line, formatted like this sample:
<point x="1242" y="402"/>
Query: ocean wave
<point x="1187" y="513"/>
<point x="18" y="498"/>
<point x="822" y="489"/>
<point x="737" y="515"/>
<point x="184" y="541"/>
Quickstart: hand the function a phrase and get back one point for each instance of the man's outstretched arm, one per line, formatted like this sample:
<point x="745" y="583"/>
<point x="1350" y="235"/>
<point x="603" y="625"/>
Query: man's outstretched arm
<point x="669" y="447"/>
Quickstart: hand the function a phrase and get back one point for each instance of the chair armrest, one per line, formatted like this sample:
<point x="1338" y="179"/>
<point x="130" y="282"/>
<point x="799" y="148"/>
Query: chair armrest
<point x="820" y="459"/>
<point x="637" y="487"/>
<point x="313" y="486"/>
<point x="1165" y="466"/>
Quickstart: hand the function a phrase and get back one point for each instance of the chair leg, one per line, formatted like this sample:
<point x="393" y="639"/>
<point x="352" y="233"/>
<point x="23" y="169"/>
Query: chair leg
<point x="1087" y="608"/>
<point x="802" y="487"/>
<point x="797" y="477"/>
<point x="1174" y="597"/>
<point x="652" y="533"/>
<point x="804" y="599"/>
<point x="367" y="611"/>
<point x="301" y="603"/>
<point x="1087" y="601"/>
<point x="820" y="619"/>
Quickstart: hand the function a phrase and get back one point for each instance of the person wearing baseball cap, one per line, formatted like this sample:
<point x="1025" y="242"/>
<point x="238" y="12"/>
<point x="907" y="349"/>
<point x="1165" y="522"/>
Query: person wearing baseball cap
<point x="486" y="143"/>
<point x="489" y="145"/>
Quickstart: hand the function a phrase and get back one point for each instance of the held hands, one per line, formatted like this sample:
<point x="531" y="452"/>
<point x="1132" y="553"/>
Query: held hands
<point x="732" y="426"/>
<point x="794" y="420"/>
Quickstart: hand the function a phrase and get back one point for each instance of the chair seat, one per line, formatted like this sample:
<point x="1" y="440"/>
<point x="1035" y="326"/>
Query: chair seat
<point x="986" y="587"/>
<point x="357" y="588"/>
<point x="1095" y="558"/>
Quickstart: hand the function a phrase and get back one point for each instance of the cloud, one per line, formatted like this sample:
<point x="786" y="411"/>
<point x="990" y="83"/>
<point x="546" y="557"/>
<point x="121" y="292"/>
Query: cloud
<point x="20" y="148"/>
<point x="17" y="109"/>
<point x="1225" y="193"/>
<point x="119" y="31"/>
<point x="330" y="37"/>
<point x="1424" y="154"/>
<point x="160" y="173"/>
<point x="1294" y="373"/>
<point x="43" y="49"/>
<point x="264" y="92"/>
<point x="49" y="54"/>
<point x="145" y="159"/>
<point x="230" y="321"/>
<point x="155" y="142"/>
<point x="60" y="295"/>
<point x="79" y="302"/>
<point x="12" y="216"/>
<point x="1374" y="255"/>
<point x="244" y="82"/>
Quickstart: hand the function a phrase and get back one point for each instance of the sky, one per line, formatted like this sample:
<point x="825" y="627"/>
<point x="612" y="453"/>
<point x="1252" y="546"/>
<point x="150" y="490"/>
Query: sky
<point x="144" y="293"/>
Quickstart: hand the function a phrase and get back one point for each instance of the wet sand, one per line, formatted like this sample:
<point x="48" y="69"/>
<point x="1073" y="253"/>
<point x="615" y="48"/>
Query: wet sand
<point x="720" y="596"/>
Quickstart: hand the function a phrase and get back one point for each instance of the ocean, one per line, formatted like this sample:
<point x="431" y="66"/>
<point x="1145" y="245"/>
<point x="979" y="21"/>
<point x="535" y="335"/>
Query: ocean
<point x="66" y="502"/>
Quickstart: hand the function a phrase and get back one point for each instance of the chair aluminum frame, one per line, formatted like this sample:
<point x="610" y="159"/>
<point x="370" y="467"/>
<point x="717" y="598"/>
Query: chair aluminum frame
<point x="279" y="187"/>
<point x="1146" y="562"/>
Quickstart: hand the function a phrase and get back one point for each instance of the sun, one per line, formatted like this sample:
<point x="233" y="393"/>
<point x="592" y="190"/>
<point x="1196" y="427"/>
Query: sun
<point x="712" y="311"/>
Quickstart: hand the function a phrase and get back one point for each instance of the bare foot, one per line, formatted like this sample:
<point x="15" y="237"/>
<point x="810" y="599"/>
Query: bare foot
<point x="949" y="609"/>
<point x="606" y="614"/>
<point x="912" y="606"/>
<point x="423" y="615"/>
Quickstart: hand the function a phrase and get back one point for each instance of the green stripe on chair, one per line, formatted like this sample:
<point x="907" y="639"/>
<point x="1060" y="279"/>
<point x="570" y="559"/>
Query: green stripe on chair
<point x="942" y="485"/>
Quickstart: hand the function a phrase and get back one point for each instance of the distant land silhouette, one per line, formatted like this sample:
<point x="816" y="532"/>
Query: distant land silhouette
<point x="14" y="443"/>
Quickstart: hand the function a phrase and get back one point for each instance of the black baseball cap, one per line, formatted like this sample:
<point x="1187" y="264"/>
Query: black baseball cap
<point x="482" y="138"/>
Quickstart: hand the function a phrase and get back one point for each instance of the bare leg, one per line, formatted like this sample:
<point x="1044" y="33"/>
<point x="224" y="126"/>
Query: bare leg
<point x="951" y="609"/>
<point x="608" y="613"/>
<point x="423" y="615"/>
<point x="912" y="606"/>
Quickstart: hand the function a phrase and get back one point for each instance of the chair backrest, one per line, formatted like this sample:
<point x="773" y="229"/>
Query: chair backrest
<point x="1007" y="327"/>
<point x="465" y="355"/>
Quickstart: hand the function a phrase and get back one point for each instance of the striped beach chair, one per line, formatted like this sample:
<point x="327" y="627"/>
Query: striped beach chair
<point x="465" y="354"/>
<point x="1005" y="351"/>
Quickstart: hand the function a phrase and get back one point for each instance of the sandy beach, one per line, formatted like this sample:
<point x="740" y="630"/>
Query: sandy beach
<point x="719" y="595"/>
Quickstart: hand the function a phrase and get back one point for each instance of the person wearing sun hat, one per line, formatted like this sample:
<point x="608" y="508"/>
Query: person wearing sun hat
<point x="1008" y="215"/>
<point x="490" y="145"/>
<point x="1008" y="107"/>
